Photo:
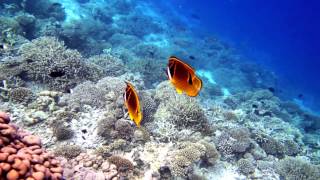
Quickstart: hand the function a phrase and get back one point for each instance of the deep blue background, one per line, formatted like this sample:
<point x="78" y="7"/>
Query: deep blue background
<point x="283" y="35"/>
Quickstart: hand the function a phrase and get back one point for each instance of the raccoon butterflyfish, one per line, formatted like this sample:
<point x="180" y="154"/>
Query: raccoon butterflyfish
<point x="132" y="103"/>
<point x="183" y="77"/>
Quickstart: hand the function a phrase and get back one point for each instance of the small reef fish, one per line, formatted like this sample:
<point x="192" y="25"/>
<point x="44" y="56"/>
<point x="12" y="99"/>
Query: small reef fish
<point x="132" y="103"/>
<point x="4" y="46"/>
<point x="183" y="77"/>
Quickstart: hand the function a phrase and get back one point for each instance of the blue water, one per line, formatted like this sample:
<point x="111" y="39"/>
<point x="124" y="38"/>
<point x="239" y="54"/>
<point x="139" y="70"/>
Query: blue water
<point x="282" y="35"/>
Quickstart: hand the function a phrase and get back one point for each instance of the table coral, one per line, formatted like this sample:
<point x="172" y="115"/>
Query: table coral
<point x="22" y="155"/>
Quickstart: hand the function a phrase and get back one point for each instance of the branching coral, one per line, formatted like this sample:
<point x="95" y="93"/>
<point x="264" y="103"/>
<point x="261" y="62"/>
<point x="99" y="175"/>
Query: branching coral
<point x="245" y="166"/>
<point x="111" y="65"/>
<point x="61" y="131"/>
<point x="236" y="140"/>
<point x="106" y="150"/>
<point x="67" y="150"/>
<point x="149" y="106"/>
<point x="22" y="156"/>
<point x="189" y="153"/>
<point x="86" y="93"/>
<point x="297" y="169"/>
<point x="124" y="166"/>
<point x="123" y="129"/>
<point x="150" y="69"/>
<point x="21" y="95"/>
<point x="185" y="112"/>
<point x="270" y="145"/>
<point x="47" y="61"/>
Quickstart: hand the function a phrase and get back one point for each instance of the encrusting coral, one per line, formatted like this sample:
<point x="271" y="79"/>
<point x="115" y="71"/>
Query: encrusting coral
<point x="22" y="155"/>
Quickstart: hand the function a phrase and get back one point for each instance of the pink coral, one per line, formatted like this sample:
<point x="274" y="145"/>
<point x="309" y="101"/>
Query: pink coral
<point x="22" y="157"/>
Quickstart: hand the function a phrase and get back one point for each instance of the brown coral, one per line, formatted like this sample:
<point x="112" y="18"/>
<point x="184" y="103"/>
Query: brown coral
<point x="123" y="164"/>
<point x="22" y="156"/>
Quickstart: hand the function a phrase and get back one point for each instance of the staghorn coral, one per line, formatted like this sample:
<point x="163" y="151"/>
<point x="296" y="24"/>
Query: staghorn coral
<point x="46" y="60"/>
<point x="297" y="169"/>
<point x="22" y="155"/>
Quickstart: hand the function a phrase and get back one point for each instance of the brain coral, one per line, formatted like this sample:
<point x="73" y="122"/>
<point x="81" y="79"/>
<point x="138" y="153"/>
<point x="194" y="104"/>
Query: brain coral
<point x="47" y="61"/>
<point x="22" y="157"/>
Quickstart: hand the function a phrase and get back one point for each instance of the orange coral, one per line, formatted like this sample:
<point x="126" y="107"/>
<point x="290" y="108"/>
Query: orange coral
<point x="22" y="156"/>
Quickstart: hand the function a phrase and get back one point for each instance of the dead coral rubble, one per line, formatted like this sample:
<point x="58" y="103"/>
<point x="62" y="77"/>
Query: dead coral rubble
<point x="22" y="157"/>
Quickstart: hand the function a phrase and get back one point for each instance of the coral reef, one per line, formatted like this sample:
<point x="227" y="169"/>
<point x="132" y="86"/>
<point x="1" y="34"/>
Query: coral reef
<point x="22" y="155"/>
<point x="296" y="168"/>
<point x="68" y="150"/>
<point x="234" y="141"/>
<point x="47" y="61"/>
<point x="111" y="65"/>
<point x="21" y="95"/>
<point x="189" y="153"/>
<point x="245" y="166"/>
<point x="64" y="65"/>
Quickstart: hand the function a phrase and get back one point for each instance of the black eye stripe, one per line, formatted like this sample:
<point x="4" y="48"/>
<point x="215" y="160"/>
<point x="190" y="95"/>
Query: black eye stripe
<point x="189" y="79"/>
<point x="172" y="69"/>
